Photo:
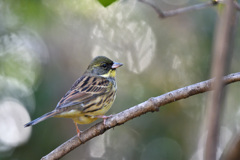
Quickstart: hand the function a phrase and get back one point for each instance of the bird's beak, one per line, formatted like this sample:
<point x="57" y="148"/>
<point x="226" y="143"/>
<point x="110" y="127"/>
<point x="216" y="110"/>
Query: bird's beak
<point x="116" y="65"/>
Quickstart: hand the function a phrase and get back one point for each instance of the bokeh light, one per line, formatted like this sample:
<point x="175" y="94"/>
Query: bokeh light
<point x="13" y="116"/>
<point x="22" y="52"/>
<point x="224" y="139"/>
<point x="103" y="146"/>
<point x="115" y="31"/>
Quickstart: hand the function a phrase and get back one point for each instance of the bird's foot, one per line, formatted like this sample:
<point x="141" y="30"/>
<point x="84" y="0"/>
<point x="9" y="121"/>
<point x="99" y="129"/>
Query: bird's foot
<point x="78" y="131"/>
<point x="104" y="118"/>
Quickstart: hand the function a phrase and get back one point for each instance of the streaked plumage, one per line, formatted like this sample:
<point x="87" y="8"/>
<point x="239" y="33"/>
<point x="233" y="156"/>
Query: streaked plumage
<point x="90" y="97"/>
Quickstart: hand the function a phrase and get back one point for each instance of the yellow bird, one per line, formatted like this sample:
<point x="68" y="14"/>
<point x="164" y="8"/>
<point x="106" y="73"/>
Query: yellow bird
<point x="90" y="97"/>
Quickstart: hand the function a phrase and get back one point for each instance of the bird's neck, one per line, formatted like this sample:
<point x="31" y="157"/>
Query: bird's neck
<point x="110" y="74"/>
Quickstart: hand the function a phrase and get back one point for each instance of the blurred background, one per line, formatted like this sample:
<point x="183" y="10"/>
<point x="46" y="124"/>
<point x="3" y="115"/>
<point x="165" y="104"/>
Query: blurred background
<point x="46" y="45"/>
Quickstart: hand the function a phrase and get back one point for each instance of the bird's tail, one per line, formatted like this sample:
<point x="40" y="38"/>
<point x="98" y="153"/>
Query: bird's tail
<point x="42" y="118"/>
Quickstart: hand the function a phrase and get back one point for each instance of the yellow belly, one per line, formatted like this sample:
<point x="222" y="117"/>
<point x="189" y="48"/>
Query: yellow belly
<point x="81" y="117"/>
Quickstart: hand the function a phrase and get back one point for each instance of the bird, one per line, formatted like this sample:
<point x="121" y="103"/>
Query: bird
<point x="90" y="96"/>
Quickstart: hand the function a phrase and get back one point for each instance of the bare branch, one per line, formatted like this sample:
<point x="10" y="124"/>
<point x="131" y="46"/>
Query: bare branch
<point x="222" y="53"/>
<point x="237" y="5"/>
<point x="150" y="105"/>
<point x="232" y="150"/>
<point x="164" y="14"/>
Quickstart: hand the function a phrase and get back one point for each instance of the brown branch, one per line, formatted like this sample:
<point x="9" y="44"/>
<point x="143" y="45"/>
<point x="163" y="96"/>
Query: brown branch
<point x="222" y="53"/>
<point x="231" y="152"/>
<point x="150" y="105"/>
<point x="164" y="14"/>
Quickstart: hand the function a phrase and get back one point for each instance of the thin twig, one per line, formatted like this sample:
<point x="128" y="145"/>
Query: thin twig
<point x="164" y="14"/>
<point x="222" y="53"/>
<point x="237" y="5"/>
<point x="150" y="105"/>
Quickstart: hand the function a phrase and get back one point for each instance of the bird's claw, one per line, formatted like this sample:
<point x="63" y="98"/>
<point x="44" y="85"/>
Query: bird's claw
<point x="104" y="118"/>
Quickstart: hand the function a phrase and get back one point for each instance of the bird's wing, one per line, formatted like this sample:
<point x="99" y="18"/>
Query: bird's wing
<point x="84" y="90"/>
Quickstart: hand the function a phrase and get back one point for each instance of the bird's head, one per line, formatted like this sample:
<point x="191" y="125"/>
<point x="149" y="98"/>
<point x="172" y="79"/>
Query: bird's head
<point x="103" y="66"/>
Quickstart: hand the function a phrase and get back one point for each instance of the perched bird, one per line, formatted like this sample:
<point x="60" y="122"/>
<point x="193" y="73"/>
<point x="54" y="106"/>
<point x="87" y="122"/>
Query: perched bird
<point x="90" y="97"/>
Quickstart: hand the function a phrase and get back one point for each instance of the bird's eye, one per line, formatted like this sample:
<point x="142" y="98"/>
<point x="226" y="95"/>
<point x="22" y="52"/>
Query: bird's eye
<point x="104" y="65"/>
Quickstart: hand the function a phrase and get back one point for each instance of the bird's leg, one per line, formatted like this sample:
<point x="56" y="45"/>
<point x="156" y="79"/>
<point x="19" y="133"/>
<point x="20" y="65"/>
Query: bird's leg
<point x="103" y="117"/>
<point x="78" y="131"/>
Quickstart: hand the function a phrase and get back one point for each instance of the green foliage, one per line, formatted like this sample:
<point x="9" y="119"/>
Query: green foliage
<point x="106" y="3"/>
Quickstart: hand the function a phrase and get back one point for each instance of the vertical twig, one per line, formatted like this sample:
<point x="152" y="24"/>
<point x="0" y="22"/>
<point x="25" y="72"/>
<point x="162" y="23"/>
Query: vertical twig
<point x="222" y="50"/>
<point x="232" y="151"/>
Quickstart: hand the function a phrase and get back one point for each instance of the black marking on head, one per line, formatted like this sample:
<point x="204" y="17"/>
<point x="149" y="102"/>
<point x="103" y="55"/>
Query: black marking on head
<point x="100" y="65"/>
